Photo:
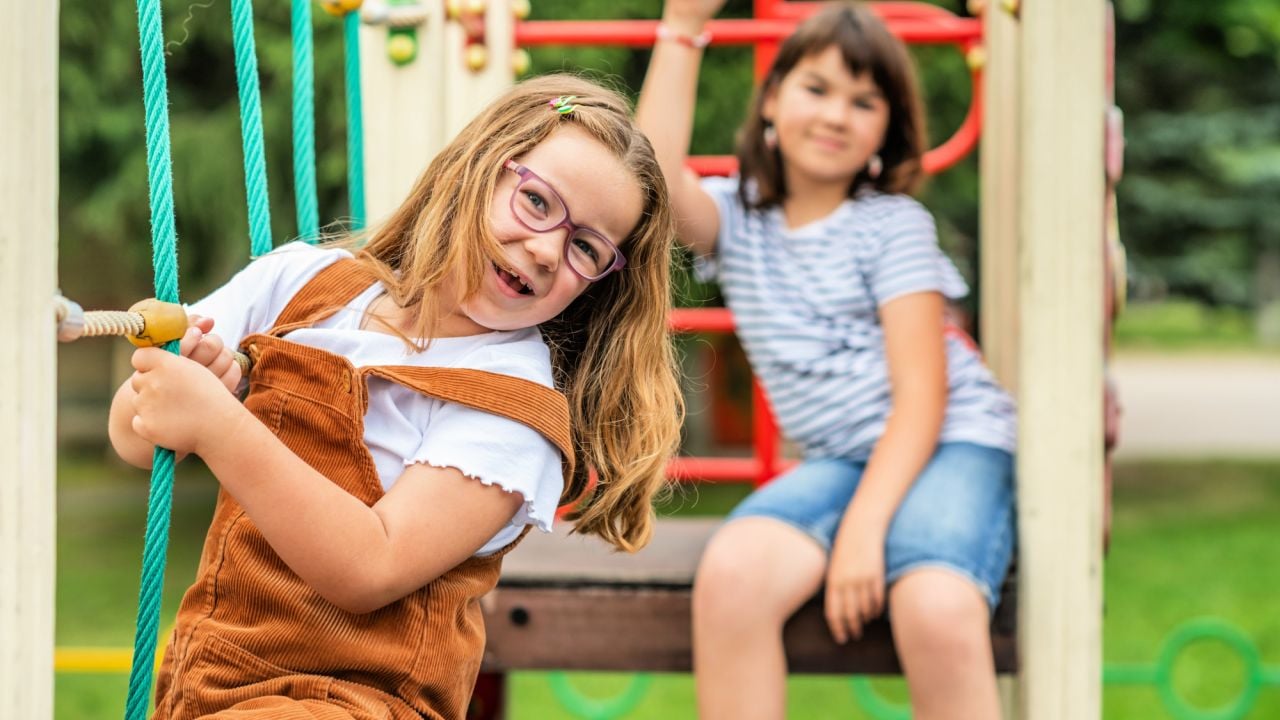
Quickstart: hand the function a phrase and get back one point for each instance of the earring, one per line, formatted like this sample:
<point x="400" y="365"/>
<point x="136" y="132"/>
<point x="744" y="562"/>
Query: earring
<point x="875" y="166"/>
<point x="770" y="136"/>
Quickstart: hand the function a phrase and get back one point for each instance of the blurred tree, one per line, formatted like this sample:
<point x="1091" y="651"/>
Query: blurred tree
<point x="1197" y="82"/>
<point x="105" y="226"/>
<point x="1198" y="85"/>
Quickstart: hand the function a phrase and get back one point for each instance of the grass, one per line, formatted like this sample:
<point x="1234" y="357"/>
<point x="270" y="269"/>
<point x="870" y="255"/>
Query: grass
<point x="1181" y="325"/>
<point x="1189" y="540"/>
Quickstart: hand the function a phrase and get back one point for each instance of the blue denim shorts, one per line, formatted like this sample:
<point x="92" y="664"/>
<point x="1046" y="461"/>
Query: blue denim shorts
<point x="958" y="514"/>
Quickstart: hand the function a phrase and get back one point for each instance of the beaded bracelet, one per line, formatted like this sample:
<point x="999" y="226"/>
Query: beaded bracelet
<point x="697" y="42"/>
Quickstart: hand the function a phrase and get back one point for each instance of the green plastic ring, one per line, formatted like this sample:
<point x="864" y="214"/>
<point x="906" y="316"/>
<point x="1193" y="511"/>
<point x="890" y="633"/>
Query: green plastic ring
<point x="595" y="708"/>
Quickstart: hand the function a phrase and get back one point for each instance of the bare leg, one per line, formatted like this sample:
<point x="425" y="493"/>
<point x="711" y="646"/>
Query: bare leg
<point x="754" y="574"/>
<point x="941" y="629"/>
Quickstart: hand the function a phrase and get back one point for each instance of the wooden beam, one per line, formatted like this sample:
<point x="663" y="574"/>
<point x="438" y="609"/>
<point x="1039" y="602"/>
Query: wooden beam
<point x="1060" y="356"/>
<point x="28" y="358"/>
<point x="404" y="117"/>
<point x="999" y="160"/>
<point x="568" y="602"/>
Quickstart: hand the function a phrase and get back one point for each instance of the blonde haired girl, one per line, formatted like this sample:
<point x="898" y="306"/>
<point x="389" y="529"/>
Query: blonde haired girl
<point x="408" y="415"/>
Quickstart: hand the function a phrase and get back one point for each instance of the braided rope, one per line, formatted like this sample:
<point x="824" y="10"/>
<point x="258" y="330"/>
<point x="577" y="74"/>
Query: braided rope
<point x="355" y="120"/>
<point x="164" y="253"/>
<point x="112" y="322"/>
<point x="400" y="16"/>
<point x="255" y="164"/>
<point x="304" y="126"/>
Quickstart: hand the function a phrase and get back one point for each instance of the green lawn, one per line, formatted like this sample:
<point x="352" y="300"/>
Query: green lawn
<point x="1181" y="325"/>
<point x="1190" y="540"/>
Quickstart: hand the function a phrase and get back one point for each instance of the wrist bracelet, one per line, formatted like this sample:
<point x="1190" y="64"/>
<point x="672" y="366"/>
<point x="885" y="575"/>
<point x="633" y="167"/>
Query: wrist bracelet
<point x="697" y="42"/>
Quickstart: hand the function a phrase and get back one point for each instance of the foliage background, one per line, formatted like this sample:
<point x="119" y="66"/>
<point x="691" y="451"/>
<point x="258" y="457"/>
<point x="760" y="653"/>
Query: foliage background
<point x="1197" y="81"/>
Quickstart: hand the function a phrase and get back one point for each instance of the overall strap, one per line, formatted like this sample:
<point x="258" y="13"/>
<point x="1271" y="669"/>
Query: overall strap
<point x="326" y="293"/>
<point x="524" y="401"/>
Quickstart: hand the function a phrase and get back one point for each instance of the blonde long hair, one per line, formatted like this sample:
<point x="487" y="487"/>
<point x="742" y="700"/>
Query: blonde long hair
<point x="610" y="349"/>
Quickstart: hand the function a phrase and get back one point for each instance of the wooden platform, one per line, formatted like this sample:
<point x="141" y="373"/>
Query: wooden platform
<point x="570" y="603"/>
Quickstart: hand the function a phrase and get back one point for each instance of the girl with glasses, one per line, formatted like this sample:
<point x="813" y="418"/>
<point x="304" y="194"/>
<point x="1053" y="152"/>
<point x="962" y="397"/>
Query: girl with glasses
<point x="420" y="398"/>
<point x="904" y="500"/>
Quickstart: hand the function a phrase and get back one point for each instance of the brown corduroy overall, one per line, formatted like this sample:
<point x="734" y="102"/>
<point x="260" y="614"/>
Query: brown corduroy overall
<point x="252" y="640"/>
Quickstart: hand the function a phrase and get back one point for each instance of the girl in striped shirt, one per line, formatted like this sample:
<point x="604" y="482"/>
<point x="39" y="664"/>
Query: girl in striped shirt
<point x="904" y="499"/>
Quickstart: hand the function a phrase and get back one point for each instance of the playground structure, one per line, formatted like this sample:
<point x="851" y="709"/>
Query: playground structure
<point x="1042" y="213"/>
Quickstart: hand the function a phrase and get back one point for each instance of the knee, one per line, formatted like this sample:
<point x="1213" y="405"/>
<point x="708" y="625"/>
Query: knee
<point x="733" y="587"/>
<point x="736" y="586"/>
<point x="943" y="616"/>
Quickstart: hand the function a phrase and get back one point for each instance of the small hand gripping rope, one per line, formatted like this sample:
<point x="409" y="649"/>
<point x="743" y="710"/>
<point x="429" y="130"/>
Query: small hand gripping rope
<point x="149" y="323"/>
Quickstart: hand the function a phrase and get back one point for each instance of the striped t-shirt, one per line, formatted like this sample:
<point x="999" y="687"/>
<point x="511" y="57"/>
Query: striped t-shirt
<point x="805" y="302"/>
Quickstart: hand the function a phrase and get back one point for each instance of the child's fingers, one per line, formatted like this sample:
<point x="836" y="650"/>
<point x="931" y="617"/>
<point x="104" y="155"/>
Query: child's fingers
<point x="146" y="359"/>
<point x="221" y="363"/>
<point x="199" y="321"/>
<point x="190" y="340"/>
<point x="835" y="610"/>
<point x="231" y="377"/>
<point x="206" y="352"/>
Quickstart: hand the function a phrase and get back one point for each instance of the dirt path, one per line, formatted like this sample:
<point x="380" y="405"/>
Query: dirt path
<point x="1198" y="406"/>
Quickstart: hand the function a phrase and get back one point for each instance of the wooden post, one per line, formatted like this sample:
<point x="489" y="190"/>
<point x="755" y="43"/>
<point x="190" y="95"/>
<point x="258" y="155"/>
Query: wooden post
<point x="470" y="90"/>
<point x="1060" y="452"/>
<point x="999" y="169"/>
<point x="412" y="111"/>
<point x="28" y="277"/>
<point x="404" y="116"/>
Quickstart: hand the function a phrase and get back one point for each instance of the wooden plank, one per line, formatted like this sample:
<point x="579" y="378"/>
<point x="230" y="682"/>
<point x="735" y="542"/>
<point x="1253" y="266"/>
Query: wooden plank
<point x="635" y="629"/>
<point x="1000" y="195"/>
<point x="1060" y="388"/>
<point x="28" y="279"/>
<point x="568" y="602"/>
<point x="562" y="559"/>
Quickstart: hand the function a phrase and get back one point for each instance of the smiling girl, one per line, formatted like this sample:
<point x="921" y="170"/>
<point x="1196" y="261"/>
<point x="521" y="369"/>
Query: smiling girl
<point x="838" y="290"/>
<point x="416" y="404"/>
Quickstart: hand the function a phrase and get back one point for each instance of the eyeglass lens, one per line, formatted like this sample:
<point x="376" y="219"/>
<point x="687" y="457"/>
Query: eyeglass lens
<point x="540" y="209"/>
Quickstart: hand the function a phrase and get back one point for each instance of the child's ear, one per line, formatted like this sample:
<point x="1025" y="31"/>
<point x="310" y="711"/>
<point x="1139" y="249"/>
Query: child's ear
<point x="769" y="104"/>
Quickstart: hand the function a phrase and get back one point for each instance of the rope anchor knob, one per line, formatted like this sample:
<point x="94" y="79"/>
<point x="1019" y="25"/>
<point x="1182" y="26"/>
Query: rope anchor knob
<point x="148" y="323"/>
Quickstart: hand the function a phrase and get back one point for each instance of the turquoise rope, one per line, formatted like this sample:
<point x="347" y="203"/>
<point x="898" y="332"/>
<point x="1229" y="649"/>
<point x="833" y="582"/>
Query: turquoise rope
<point x="164" y="250"/>
<point x="304" y="124"/>
<point x="255" y="164"/>
<point x="355" y="120"/>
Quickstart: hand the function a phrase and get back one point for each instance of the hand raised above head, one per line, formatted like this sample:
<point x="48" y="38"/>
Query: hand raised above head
<point x="690" y="15"/>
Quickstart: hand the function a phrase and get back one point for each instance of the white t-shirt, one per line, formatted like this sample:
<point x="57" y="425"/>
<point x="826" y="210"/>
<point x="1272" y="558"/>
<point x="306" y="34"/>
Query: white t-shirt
<point x="403" y="427"/>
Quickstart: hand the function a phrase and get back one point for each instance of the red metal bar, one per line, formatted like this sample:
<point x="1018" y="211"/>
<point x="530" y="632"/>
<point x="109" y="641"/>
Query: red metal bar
<point x="764" y="434"/>
<point x="701" y="320"/>
<point x="642" y="33"/>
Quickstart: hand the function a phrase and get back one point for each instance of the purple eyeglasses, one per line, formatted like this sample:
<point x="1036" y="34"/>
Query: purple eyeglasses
<point x="540" y="208"/>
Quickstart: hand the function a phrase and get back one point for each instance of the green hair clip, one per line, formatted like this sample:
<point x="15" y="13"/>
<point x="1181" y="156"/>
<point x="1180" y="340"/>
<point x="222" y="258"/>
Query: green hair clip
<point x="563" y="104"/>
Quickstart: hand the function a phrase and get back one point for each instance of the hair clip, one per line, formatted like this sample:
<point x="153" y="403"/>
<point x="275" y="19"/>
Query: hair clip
<point x="563" y="104"/>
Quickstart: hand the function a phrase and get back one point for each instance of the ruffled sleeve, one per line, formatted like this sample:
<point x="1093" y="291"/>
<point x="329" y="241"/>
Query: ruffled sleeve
<point x="497" y="450"/>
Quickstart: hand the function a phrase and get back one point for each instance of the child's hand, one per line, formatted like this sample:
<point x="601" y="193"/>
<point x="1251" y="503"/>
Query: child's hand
<point x="178" y="403"/>
<point x="855" y="582"/>
<point x="690" y="15"/>
<point x="207" y="349"/>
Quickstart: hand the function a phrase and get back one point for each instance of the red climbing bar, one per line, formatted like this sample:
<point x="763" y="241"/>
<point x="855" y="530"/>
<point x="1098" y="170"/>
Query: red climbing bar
<point x="642" y="33"/>
<point x="766" y="461"/>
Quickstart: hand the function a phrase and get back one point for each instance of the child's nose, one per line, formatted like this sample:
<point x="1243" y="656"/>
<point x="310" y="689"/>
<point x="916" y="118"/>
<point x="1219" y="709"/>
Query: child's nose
<point x="545" y="248"/>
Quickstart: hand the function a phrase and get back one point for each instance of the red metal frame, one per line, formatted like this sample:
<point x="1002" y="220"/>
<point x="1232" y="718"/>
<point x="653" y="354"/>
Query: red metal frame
<point x="913" y="22"/>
